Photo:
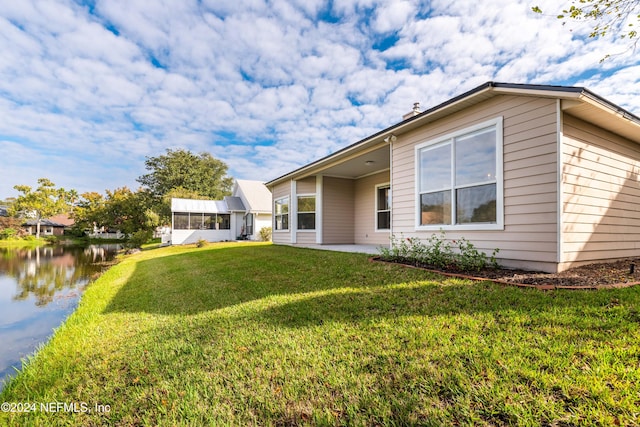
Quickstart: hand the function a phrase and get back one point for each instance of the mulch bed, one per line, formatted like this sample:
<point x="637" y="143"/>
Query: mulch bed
<point x="615" y="274"/>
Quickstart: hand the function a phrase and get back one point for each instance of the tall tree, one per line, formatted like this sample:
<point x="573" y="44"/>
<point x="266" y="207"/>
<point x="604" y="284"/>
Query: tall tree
<point x="129" y="212"/>
<point x="619" y="18"/>
<point x="202" y="174"/>
<point x="88" y="212"/>
<point x="44" y="202"/>
<point x="122" y="209"/>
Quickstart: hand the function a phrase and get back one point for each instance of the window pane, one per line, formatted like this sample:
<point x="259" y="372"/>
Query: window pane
<point x="476" y="204"/>
<point x="224" y="221"/>
<point x="476" y="157"/>
<point x="383" y="199"/>
<point x="307" y="221"/>
<point x="181" y="221"/>
<point x="196" y="221"/>
<point x="282" y="222"/>
<point x="307" y="204"/>
<point x="435" y="208"/>
<point x="282" y="206"/>
<point x="210" y="221"/>
<point x="384" y="220"/>
<point x="435" y="168"/>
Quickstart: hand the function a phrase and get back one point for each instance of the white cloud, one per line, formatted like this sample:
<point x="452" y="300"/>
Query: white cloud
<point x="263" y="84"/>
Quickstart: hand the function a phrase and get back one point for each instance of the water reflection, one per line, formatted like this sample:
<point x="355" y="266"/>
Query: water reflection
<point x="44" y="271"/>
<point x="39" y="288"/>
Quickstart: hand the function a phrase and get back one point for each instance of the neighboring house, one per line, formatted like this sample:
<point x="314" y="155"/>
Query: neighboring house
<point x="53" y="226"/>
<point x="547" y="174"/>
<point x="239" y="216"/>
<point x="47" y="227"/>
<point x="252" y="205"/>
<point x="4" y="211"/>
<point x="63" y="219"/>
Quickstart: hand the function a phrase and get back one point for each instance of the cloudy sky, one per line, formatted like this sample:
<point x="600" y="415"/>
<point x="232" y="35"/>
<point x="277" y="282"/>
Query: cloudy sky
<point x="89" y="88"/>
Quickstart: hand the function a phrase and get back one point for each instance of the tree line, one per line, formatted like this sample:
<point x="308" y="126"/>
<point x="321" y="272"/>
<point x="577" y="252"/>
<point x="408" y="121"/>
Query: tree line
<point x="176" y="173"/>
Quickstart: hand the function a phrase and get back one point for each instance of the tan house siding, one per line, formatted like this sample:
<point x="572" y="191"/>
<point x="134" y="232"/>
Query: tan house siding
<point x="364" y="210"/>
<point x="281" y="190"/>
<point x="601" y="194"/>
<point x="529" y="173"/>
<point x="306" y="238"/>
<point x="306" y="186"/>
<point x="338" y="211"/>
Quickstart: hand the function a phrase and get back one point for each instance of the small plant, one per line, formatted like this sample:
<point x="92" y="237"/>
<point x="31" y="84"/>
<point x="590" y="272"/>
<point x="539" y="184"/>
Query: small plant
<point x="265" y="234"/>
<point x="440" y="253"/>
<point x="201" y="243"/>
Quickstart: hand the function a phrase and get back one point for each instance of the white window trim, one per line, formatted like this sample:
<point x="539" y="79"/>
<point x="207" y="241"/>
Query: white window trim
<point x="499" y="225"/>
<point x="375" y="208"/>
<point x="284" y="230"/>
<point x="315" y="212"/>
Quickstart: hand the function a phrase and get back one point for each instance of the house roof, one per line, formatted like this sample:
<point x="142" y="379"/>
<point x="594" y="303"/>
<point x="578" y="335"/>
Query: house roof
<point x="248" y="196"/>
<point x="44" y="222"/>
<point x="200" y="206"/>
<point x="234" y="204"/>
<point x="4" y="211"/>
<point x="255" y="194"/>
<point x="63" y="219"/>
<point x="577" y="101"/>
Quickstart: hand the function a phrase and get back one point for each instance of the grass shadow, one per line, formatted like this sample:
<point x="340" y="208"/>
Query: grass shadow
<point x="576" y="311"/>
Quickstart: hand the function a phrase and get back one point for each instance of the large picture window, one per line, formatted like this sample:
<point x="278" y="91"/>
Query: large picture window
<point x="306" y="212"/>
<point x="383" y="207"/>
<point x="281" y="214"/>
<point x="459" y="179"/>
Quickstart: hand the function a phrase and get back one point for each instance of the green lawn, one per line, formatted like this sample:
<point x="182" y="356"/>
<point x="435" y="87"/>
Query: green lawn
<point x="242" y="334"/>
<point x="22" y="243"/>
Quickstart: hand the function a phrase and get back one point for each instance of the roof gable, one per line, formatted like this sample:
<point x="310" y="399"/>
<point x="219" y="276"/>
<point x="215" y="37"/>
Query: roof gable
<point x="255" y="195"/>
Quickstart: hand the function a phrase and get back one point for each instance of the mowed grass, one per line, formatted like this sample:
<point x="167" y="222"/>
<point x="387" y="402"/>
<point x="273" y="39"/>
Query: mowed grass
<point x="251" y="334"/>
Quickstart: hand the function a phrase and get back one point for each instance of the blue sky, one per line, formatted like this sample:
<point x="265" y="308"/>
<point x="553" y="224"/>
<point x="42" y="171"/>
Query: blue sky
<point x="89" y="88"/>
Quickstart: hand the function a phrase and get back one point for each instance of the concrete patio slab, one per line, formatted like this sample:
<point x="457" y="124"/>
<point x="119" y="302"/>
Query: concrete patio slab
<point x="364" y="249"/>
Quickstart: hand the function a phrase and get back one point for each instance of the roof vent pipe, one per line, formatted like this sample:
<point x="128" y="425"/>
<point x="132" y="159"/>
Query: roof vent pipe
<point x="414" y="112"/>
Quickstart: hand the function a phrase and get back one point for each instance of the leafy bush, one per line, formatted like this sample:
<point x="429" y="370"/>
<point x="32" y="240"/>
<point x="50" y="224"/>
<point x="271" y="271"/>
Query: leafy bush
<point x="29" y="237"/>
<point x="138" y="239"/>
<point x="51" y="239"/>
<point x="440" y="253"/>
<point x="201" y="243"/>
<point x="265" y="234"/>
<point x="8" y="233"/>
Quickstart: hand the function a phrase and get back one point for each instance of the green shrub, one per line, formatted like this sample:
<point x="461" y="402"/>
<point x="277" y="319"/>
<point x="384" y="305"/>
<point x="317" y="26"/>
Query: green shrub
<point x="137" y="239"/>
<point x="201" y="243"/>
<point x="265" y="234"/>
<point x="8" y="233"/>
<point x="29" y="237"/>
<point x="51" y="239"/>
<point x="440" y="253"/>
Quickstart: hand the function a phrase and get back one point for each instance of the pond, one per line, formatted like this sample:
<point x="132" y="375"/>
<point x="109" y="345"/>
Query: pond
<point x="39" y="288"/>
